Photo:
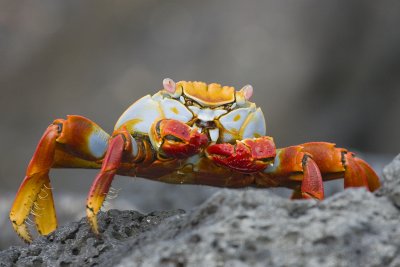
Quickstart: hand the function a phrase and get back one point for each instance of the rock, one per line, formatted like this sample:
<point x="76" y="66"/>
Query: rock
<point x="247" y="227"/>
<point x="255" y="228"/>
<point x="75" y="244"/>
<point x="137" y="194"/>
<point x="391" y="181"/>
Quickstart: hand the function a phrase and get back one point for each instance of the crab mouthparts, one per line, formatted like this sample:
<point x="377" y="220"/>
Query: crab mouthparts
<point x="209" y="128"/>
<point x="206" y="124"/>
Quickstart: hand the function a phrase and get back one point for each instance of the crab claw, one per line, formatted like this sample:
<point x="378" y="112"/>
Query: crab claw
<point x="175" y="139"/>
<point x="248" y="155"/>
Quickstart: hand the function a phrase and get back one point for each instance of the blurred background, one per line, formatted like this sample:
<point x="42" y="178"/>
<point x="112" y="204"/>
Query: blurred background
<point x="325" y="71"/>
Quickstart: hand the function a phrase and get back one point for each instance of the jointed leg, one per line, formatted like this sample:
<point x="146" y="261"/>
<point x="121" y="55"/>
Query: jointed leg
<point x="338" y="162"/>
<point x="103" y="180"/>
<point x="319" y="161"/>
<point x="34" y="183"/>
<point x="371" y="176"/>
<point x="75" y="142"/>
<point x="291" y="167"/>
<point x="170" y="139"/>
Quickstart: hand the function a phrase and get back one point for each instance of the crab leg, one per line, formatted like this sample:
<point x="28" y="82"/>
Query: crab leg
<point x="172" y="138"/>
<point x="307" y="162"/>
<point x="103" y="180"/>
<point x="74" y="142"/>
<point x="291" y="167"/>
<point x="338" y="162"/>
<point x="37" y="177"/>
<point x="372" y="178"/>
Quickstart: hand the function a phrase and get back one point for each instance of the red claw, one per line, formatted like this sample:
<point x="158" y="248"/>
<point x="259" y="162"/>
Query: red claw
<point x="248" y="156"/>
<point x="179" y="140"/>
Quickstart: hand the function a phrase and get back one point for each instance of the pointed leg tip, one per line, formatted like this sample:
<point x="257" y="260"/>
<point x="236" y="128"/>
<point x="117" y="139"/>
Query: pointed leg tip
<point x="23" y="232"/>
<point x="92" y="220"/>
<point x="372" y="178"/>
<point x="313" y="196"/>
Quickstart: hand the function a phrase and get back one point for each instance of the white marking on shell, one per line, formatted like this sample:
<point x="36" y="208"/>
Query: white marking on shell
<point x="98" y="142"/>
<point x="219" y="112"/>
<point x="254" y="126"/>
<point x="234" y="120"/>
<point x="207" y="114"/>
<point x="135" y="149"/>
<point x="173" y="109"/>
<point x="145" y="110"/>
<point x="214" y="134"/>
<point x="195" y="110"/>
<point x="158" y="96"/>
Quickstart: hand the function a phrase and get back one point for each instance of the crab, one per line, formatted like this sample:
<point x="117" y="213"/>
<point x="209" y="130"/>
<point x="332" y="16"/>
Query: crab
<point x="187" y="133"/>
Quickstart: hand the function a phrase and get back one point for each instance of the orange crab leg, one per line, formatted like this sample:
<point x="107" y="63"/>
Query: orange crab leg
<point x="338" y="162"/>
<point x="75" y="142"/>
<point x="103" y="180"/>
<point x="312" y="185"/>
<point x="291" y="167"/>
<point x="372" y="178"/>
<point x="35" y="181"/>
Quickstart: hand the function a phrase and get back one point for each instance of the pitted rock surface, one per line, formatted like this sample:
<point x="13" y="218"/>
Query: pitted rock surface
<point x="76" y="245"/>
<point x="247" y="227"/>
<point x="253" y="228"/>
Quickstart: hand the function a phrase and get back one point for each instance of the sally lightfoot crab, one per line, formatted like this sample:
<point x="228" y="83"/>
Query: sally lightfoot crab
<point x="187" y="133"/>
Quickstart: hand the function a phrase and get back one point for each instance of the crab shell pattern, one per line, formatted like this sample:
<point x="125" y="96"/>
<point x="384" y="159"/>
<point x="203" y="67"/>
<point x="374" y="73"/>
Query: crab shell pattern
<point x="222" y="113"/>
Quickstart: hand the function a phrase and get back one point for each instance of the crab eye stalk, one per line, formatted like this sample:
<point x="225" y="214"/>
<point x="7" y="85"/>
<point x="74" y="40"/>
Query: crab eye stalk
<point x="171" y="87"/>
<point x="244" y="94"/>
<point x="247" y="91"/>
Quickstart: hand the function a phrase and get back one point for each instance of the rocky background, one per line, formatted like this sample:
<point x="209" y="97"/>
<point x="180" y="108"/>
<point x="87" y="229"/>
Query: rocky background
<point x="321" y="71"/>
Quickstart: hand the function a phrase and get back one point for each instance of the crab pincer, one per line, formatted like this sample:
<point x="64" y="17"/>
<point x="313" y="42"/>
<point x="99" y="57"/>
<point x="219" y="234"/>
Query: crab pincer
<point x="248" y="155"/>
<point x="175" y="139"/>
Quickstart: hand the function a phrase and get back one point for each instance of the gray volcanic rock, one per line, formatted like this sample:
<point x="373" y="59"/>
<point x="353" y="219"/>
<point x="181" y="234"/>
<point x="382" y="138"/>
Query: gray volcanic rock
<point x="391" y="187"/>
<point x="251" y="227"/>
<point x="76" y="245"/>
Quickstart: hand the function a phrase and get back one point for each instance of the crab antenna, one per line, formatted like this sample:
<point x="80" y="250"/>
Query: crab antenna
<point x="169" y="85"/>
<point x="247" y="91"/>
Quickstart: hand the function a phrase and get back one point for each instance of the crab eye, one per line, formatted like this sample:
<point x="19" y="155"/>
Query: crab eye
<point x="247" y="91"/>
<point x="244" y="94"/>
<point x="169" y="85"/>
